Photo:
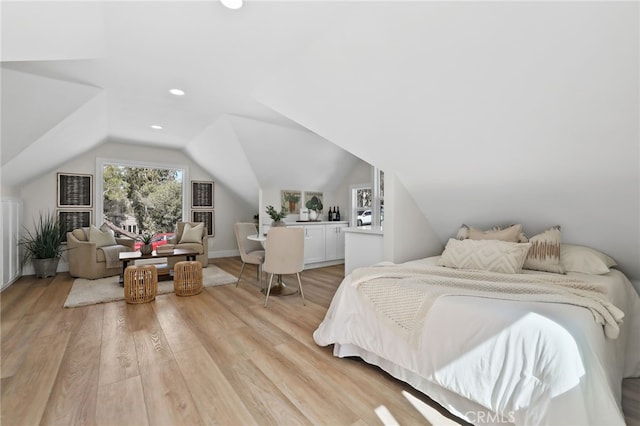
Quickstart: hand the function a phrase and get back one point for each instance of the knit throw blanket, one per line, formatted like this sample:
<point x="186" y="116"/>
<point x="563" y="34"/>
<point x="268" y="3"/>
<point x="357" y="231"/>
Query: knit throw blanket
<point x="112" y="255"/>
<point x="404" y="295"/>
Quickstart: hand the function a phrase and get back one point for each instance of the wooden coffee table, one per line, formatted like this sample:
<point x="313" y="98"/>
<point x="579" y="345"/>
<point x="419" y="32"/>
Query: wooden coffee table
<point x="128" y="256"/>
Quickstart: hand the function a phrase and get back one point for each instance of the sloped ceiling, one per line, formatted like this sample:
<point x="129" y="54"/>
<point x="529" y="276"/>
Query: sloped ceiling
<point x="488" y="112"/>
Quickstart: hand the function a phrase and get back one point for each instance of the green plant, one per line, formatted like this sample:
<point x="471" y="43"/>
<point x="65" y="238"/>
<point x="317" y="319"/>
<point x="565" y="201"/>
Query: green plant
<point x="146" y="237"/>
<point x="46" y="238"/>
<point x="292" y="198"/>
<point x="314" y="203"/>
<point x="277" y="216"/>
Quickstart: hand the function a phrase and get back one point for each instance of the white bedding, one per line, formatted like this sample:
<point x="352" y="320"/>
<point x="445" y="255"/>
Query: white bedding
<point x="493" y="361"/>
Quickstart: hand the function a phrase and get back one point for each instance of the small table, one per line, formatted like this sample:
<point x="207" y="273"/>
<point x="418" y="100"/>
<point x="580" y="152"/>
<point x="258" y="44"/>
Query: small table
<point x="279" y="288"/>
<point x="127" y="256"/>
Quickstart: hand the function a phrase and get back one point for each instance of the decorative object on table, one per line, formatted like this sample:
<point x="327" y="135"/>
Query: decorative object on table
<point x="165" y="249"/>
<point x="291" y="200"/>
<point x="146" y="238"/>
<point x="187" y="278"/>
<point x="43" y="244"/>
<point x="75" y="190"/>
<point x="74" y="219"/>
<point x="304" y="215"/>
<point x="140" y="283"/>
<point x="276" y="216"/>
<point x="207" y="217"/>
<point x="202" y="194"/>
<point x="313" y="201"/>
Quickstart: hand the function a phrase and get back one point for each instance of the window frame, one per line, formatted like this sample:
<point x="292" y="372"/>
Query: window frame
<point x="99" y="182"/>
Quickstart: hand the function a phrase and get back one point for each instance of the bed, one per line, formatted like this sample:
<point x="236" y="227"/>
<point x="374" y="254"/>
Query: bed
<point x="490" y="358"/>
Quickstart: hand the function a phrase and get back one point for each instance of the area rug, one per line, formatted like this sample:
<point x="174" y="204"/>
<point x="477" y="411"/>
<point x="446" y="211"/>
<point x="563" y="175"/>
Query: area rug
<point x="89" y="292"/>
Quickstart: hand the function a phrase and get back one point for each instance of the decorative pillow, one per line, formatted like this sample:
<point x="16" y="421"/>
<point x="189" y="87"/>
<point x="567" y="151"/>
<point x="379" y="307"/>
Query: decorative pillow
<point x="586" y="260"/>
<point x="485" y="255"/>
<point x="512" y="233"/>
<point x="192" y="234"/>
<point x="101" y="238"/>
<point x="544" y="254"/>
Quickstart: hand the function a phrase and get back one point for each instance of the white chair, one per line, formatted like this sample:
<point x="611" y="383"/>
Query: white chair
<point x="284" y="255"/>
<point x="250" y="251"/>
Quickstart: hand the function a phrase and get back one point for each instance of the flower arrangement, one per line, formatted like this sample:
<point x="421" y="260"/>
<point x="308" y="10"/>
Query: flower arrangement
<point x="146" y="237"/>
<point x="277" y="216"/>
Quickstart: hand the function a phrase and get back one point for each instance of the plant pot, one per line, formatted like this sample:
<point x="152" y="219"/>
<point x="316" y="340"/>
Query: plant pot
<point x="45" y="267"/>
<point x="278" y="223"/>
<point x="313" y="215"/>
<point x="146" y="249"/>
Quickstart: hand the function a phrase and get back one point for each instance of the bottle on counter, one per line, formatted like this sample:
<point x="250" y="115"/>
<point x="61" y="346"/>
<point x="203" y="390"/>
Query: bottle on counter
<point x="337" y="215"/>
<point x="329" y="215"/>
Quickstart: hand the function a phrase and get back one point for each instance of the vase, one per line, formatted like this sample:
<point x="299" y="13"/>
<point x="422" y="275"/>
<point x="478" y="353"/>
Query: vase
<point x="313" y="215"/>
<point x="44" y="268"/>
<point x="146" y="249"/>
<point x="278" y="223"/>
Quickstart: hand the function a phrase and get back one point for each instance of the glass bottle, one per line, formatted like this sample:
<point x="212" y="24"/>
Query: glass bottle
<point x="329" y="215"/>
<point x="337" y="215"/>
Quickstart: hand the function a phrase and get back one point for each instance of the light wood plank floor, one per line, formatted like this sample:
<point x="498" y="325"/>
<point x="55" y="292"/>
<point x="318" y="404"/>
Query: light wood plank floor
<point x="216" y="358"/>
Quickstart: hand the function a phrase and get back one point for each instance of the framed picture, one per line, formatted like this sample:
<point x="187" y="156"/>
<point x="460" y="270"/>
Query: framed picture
<point x="201" y="194"/>
<point x="75" y="190"/>
<point x="206" y="216"/>
<point x="291" y="201"/>
<point x="73" y="219"/>
<point x="313" y="201"/>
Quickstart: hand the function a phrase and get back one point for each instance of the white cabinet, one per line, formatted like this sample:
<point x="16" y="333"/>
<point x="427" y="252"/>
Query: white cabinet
<point x="314" y="244"/>
<point x="323" y="244"/>
<point x="334" y="241"/>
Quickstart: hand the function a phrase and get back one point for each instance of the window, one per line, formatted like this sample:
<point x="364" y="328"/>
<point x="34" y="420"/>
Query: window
<point x="141" y="196"/>
<point x="366" y="199"/>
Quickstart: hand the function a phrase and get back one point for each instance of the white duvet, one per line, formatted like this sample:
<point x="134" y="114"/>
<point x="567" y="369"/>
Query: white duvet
<point x="494" y="361"/>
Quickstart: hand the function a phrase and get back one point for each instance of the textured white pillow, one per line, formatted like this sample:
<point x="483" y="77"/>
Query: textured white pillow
<point x="544" y="254"/>
<point x="192" y="234"/>
<point x="101" y="238"/>
<point x="485" y="255"/>
<point x="586" y="260"/>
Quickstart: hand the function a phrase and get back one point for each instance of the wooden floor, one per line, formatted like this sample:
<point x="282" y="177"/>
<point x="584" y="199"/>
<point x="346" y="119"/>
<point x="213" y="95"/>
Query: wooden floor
<point x="216" y="358"/>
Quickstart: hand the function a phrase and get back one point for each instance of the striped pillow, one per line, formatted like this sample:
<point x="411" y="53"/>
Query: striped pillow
<point x="544" y="254"/>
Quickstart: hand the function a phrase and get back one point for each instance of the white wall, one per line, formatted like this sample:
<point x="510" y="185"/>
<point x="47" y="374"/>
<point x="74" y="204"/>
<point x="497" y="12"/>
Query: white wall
<point x="408" y="235"/>
<point x="40" y="193"/>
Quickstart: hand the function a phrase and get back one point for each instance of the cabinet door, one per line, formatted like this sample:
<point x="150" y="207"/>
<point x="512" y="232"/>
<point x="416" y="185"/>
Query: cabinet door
<point x="314" y="244"/>
<point x="334" y="242"/>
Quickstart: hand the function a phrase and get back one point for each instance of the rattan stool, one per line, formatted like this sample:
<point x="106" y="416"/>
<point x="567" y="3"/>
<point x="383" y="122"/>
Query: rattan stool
<point x="140" y="283"/>
<point x="187" y="278"/>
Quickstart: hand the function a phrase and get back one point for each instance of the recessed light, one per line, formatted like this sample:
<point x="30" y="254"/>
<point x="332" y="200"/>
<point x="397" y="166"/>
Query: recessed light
<point x="177" y="92"/>
<point x="232" y="4"/>
<point x="156" y="127"/>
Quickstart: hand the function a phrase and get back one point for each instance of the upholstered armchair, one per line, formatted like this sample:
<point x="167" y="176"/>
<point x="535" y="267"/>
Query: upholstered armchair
<point x="93" y="253"/>
<point x="191" y="235"/>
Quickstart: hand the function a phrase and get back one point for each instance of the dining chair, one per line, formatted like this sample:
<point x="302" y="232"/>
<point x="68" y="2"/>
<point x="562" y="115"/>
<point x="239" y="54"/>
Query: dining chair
<point x="284" y="255"/>
<point x="250" y="251"/>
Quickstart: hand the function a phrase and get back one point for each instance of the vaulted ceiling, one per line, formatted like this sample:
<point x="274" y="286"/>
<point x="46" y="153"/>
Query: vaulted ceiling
<point x="487" y="112"/>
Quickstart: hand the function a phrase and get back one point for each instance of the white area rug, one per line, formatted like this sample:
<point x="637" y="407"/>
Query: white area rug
<point x="89" y="292"/>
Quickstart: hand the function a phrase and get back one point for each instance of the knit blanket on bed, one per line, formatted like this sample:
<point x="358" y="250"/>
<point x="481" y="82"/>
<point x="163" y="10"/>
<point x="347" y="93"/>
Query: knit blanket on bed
<point x="404" y="295"/>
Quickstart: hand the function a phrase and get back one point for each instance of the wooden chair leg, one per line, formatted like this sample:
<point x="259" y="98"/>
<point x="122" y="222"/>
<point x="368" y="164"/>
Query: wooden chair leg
<point x="300" y="286"/>
<point x="240" y="276"/>
<point x="266" y="299"/>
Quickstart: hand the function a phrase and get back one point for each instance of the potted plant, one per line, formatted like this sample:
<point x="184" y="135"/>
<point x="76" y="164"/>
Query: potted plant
<point x="315" y="207"/>
<point x="146" y="238"/>
<point x="276" y="216"/>
<point x="44" y="244"/>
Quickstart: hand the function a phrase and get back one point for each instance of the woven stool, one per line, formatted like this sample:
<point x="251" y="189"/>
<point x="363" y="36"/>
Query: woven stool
<point x="140" y="283"/>
<point x="187" y="278"/>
